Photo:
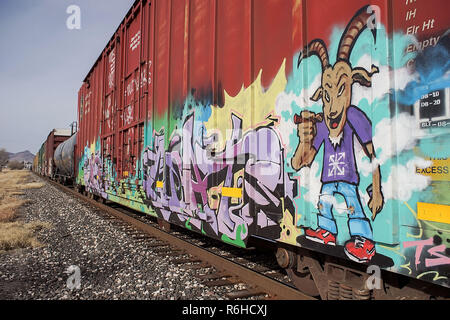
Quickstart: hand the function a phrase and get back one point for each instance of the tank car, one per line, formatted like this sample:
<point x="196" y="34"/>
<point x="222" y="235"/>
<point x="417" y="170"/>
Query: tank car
<point x="64" y="160"/>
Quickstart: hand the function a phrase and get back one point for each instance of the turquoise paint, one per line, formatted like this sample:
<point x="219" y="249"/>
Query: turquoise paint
<point x="148" y="134"/>
<point x="391" y="224"/>
<point x="436" y="147"/>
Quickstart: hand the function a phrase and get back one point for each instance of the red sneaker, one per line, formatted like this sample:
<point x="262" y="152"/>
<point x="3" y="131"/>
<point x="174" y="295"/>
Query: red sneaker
<point x="360" y="249"/>
<point x="321" y="236"/>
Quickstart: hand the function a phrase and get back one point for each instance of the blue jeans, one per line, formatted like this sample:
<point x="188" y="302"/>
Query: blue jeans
<point x="358" y="223"/>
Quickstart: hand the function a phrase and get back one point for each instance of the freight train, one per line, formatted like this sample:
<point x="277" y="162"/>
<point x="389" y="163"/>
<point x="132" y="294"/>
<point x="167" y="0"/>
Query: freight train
<point x="44" y="161"/>
<point x="319" y="126"/>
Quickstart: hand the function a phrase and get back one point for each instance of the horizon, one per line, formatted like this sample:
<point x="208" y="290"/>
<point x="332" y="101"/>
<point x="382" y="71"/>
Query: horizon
<point x="44" y="63"/>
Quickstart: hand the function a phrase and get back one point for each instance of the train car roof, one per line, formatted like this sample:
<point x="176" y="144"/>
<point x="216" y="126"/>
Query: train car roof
<point x="63" y="132"/>
<point x="111" y="39"/>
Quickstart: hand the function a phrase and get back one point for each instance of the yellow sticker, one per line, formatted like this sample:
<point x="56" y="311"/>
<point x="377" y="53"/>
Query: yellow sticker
<point x="125" y="173"/>
<point x="159" y="184"/>
<point x="232" y="192"/>
<point x="438" y="171"/>
<point x="433" y="212"/>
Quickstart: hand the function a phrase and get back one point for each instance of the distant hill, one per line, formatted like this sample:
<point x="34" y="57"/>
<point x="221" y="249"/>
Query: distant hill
<point x="21" y="156"/>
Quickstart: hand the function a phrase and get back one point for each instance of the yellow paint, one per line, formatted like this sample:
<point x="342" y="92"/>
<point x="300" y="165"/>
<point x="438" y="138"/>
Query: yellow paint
<point x="433" y="212"/>
<point x="214" y="196"/>
<point x="406" y="266"/>
<point x="418" y="222"/>
<point x="436" y="275"/>
<point x="438" y="171"/>
<point x="160" y="184"/>
<point x="254" y="105"/>
<point x="394" y="250"/>
<point x="232" y="192"/>
<point x="289" y="232"/>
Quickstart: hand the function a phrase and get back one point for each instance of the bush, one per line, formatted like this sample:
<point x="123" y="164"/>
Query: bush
<point x="4" y="157"/>
<point x="15" y="165"/>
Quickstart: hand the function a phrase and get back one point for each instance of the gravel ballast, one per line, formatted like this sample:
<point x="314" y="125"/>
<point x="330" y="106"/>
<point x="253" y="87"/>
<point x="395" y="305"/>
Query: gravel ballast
<point x="112" y="263"/>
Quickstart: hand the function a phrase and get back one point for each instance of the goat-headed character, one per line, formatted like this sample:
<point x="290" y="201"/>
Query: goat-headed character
<point x="336" y="128"/>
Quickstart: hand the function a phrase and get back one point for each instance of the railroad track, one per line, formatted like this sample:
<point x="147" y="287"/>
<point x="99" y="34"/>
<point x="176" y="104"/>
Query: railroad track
<point x="225" y="265"/>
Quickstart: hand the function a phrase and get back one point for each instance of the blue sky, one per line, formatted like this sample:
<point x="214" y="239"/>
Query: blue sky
<point x="43" y="63"/>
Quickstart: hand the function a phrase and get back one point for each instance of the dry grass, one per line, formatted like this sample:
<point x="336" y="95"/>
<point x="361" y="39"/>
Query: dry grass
<point x="17" y="235"/>
<point x="12" y="182"/>
<point x="14" y="235"/>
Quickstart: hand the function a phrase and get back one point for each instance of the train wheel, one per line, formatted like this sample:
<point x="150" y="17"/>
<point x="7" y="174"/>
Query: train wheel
<point x="298" y="273"/>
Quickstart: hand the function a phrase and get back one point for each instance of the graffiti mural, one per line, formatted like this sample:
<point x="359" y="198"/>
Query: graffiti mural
<point x="329" y="137"/>
<point x="336" y="129"/>
<point x="92" y="172"/>
<point x="223" y="193"/>
<point x="354" y="174"/>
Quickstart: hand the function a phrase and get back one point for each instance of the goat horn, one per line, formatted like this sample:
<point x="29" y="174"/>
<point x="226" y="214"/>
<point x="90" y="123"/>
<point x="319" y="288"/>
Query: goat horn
<point x="356" y="26"/>
<point x="316" y="47"/>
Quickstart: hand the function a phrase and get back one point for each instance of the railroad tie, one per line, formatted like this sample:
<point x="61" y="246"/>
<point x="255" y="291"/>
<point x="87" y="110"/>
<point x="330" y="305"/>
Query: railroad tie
<point x="157" y="245"/>
<point x="246" y="293"/>
<point x="202" y="265"/>
<point x="213" y="276"/>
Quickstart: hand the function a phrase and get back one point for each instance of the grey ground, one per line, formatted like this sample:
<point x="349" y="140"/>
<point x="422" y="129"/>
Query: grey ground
<point x="113" y="264"/>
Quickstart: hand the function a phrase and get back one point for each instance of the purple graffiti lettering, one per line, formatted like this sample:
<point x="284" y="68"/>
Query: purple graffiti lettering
<point x="93" y="173"/>
<point x="193" y="182"/>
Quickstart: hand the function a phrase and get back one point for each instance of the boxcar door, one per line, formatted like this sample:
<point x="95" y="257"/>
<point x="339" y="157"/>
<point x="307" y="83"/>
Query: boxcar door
<point x="133" y="112"/>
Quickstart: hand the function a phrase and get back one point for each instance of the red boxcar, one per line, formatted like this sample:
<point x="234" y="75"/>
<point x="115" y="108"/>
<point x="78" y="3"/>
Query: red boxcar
<point x="195" y="112"/>
<point x="54" y="139"/>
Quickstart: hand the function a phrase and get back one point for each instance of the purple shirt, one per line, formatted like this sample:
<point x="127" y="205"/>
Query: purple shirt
<point x="339" y="162"/>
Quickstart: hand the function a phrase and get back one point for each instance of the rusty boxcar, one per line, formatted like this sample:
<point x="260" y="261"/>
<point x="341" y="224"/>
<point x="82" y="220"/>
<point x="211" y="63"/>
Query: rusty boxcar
<point x="45" y="162"/>
<point x="323" y="130"/>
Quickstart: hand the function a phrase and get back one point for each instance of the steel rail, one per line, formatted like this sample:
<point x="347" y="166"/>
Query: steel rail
<point x="275" y="289"/>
